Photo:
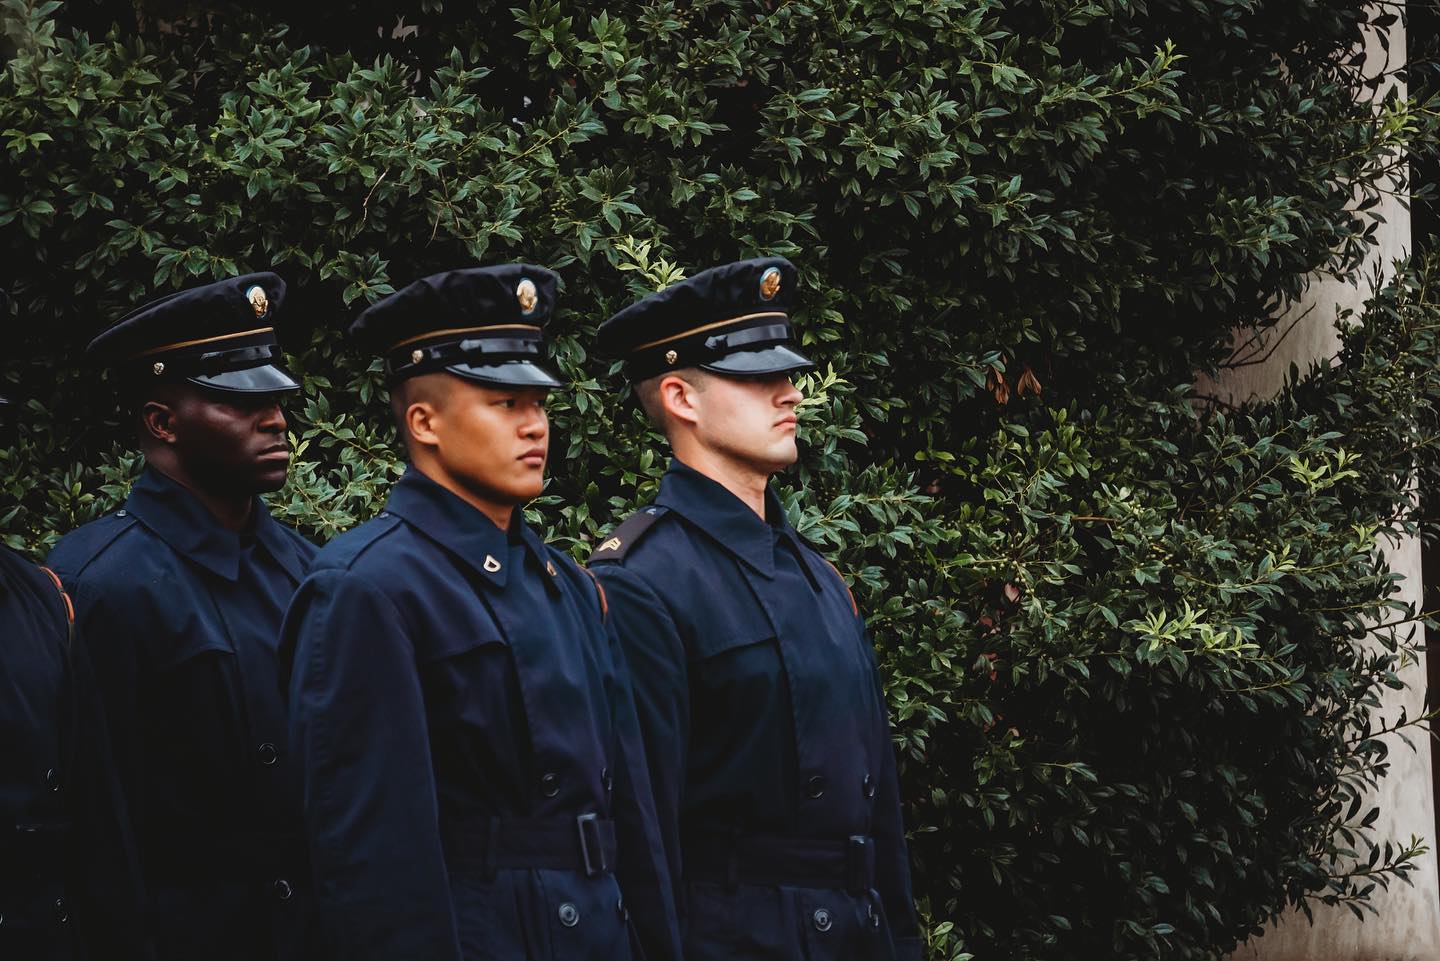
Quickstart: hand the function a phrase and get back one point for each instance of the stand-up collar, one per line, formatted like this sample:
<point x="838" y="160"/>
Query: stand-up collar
<point x="460" y="528"/>
<point x="726" y="518"/>
<point x="178" y="518"/>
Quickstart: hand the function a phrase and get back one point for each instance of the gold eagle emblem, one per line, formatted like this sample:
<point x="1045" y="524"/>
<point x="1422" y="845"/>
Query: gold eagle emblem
<point x="526" y="294"/>
<point x="258" y="301"/>
<point x="770" y="283"/>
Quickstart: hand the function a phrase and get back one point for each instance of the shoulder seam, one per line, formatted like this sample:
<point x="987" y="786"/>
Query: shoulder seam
<point x="69" y="605"/>
<point x="854" y="607"/>
<point x="600" y="591"/>
<point x="123" y="524"/>
<point x="354" y="554"/>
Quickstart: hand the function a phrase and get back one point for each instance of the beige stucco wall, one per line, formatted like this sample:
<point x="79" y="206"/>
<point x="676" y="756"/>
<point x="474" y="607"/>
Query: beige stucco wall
<point x="1408" y="926"/>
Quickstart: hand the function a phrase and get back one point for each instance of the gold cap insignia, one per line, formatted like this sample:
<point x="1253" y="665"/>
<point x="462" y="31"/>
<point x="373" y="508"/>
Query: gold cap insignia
<point x="550" y="568"/>
<point x="770" y="283"/>
<point x="258" y="301"/>
<point x="526" y="294"/>
<point x="613" y="544"/>
<point x="491" y="564"/>
<point x="159" y="368"/>
<point x="671" y="356"/>
<point x="416" y="356"/>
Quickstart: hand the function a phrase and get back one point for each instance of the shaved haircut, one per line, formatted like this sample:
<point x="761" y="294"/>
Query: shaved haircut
<point x="433" y="389"/>
<point x="647" y="392"/>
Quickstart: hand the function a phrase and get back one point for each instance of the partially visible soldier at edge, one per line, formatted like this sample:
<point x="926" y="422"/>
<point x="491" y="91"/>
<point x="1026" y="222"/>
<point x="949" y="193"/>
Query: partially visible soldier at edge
<point x="179" y="597"/>
<point x="69" y="890"/>
<point x="765" y="723"/>
<point x="474" y="782"/>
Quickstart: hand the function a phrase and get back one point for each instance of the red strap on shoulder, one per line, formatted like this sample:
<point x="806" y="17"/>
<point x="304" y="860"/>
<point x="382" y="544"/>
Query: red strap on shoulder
<point x="599" y="589"/>
<point x="851" y="594"/>
<point x="69" y="607"/>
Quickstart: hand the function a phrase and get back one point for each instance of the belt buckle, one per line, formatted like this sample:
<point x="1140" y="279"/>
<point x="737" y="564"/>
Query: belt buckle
<point x="859" y="864"/>
<point x="592" y="847"/>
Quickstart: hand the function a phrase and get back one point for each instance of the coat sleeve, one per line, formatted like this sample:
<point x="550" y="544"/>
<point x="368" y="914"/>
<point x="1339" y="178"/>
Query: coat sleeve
<point x="644" y="869"/>
<point x="652" y="650"/>
<point x="892" y="859"/>
<point x="106" y="657"/>
<point x="358" y="728"/>
<point x="103" y="855"/>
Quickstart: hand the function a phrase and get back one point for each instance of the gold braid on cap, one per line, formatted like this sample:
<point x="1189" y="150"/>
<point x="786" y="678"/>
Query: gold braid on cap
<point x="203" y="340"/>
<point x="705" y="327"/>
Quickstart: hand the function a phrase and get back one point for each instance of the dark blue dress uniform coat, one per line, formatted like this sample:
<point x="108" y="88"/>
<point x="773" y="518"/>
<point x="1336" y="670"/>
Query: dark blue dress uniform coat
<point x="67" y="872"/>
<point x="471" y="761"/>
<point x="766" y="732"/>
<point x="181" y="619"/>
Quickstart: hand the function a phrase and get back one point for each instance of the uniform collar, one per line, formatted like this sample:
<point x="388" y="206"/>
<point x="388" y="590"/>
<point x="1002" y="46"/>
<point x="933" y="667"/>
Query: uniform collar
<point x="725" y="517"/>
<point x="460" y="528"/>
<point x="178" y="518"/>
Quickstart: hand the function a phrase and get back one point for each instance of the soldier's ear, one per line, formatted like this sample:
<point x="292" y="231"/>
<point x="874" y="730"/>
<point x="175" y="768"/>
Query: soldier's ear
<point x="419" y="423"/>
<point x="157" y="422"/>
<point x="677" y="397"/>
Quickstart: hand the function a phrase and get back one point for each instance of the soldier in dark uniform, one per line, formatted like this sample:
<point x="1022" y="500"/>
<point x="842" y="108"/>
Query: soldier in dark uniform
<point x="179" y="598"/>
<point x="765" y="724"/>
<point x="474" y="784"/>
<point x="68" y="884"/>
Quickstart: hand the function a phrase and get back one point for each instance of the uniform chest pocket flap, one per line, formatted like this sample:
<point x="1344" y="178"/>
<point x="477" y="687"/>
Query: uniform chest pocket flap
<point x="458" y="637"/>
<point x="186" y="642"/>
<point x="716" y="636"/>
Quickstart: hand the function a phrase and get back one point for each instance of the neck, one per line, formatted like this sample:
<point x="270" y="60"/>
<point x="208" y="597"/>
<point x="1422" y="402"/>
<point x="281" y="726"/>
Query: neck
<point x="499" y="512"/>
<point x="232" y="511"/>
<point x="745" y="481"/>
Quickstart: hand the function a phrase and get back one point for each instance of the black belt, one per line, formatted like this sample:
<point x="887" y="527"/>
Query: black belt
<point x="585" y="844"/>
<point x="732" y="858"/>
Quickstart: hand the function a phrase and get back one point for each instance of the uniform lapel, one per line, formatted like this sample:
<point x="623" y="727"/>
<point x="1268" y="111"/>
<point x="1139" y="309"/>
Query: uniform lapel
<point x="444" y="518"/>
<point x="720" y="514"/>
<point x="178" y="518"/>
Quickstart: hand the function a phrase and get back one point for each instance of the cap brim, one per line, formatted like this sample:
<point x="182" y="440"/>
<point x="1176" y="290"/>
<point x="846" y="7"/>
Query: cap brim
<point x="267" y="379"/>
<point x="519" y="373"/>
<point x="767" y="360"/>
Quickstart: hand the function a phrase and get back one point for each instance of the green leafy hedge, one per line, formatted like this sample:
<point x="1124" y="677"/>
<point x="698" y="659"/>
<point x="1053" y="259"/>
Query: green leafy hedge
<point x="1118" y="622"/>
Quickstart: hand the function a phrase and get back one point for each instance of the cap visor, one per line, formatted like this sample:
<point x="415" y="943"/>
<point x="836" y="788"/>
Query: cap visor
<point x="268" y="379"/>
<point x="768" y="360"/>
<point x="518" y="373"/>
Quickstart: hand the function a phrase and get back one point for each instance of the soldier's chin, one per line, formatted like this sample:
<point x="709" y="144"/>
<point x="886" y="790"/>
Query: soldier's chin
<point x="786" y="453"/>
<point x="775" y="458"/>
<point x="532" y="490"/>
<point x="271" y="477"/>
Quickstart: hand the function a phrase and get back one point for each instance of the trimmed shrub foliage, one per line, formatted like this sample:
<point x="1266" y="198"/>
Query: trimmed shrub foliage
<point x="1118" y="622"/>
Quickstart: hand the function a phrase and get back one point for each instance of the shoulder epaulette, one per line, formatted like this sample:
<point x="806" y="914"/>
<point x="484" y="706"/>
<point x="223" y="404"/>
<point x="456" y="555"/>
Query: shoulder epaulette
<point x="78" y="549"/>
<point x="344" y="550"/>
<point x="627" y="535"/>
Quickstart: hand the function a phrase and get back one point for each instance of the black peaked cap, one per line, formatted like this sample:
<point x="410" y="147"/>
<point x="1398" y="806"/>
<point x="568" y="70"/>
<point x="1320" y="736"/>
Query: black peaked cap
<point x="732" y="320"/>
<point x="220" y="336"/>
<point x="484" y="324"/>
